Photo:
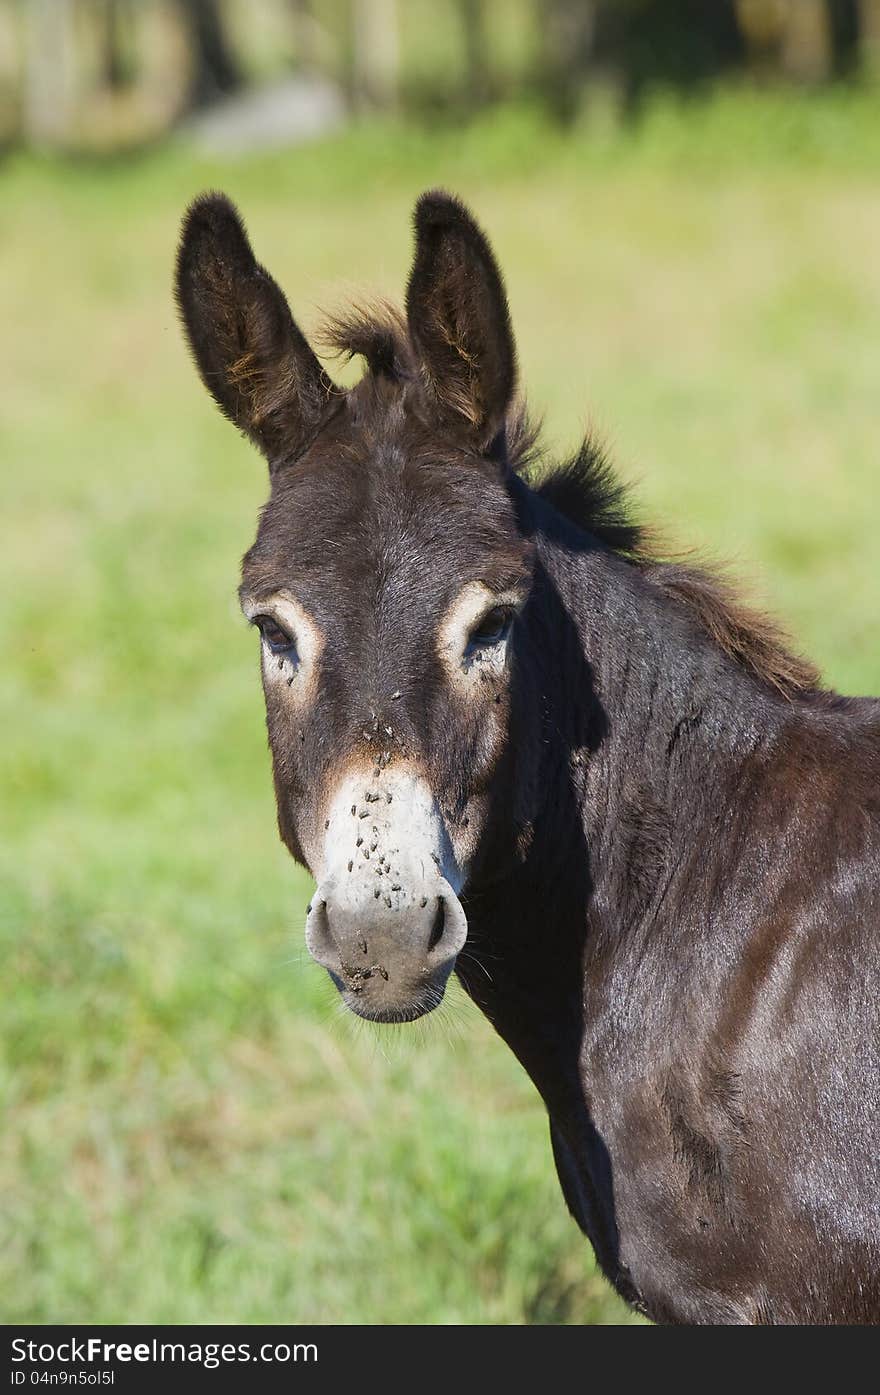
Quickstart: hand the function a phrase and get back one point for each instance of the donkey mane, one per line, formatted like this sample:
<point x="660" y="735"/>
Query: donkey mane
<point x="586" y="490"/>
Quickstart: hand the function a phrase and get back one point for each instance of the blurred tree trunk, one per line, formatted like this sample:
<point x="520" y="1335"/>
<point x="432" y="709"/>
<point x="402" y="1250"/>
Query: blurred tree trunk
<point x="567" y="33"/>
<point x="215" y="69"/>
<point x="375" y="53"/>
<point x="11" y="77"/>
<point x="305" y="33"/>
<point x="869" y="24"/>
<point x="116" y="65"/>
<point x="806" y="42"/>
<point x="762" y="24"/>
<point x="472" y="15"/>
<point x="50" y="73"/>
<point x="844" y="18"/>
<point x="869" y="19"/>
<point x="682" y="43"/>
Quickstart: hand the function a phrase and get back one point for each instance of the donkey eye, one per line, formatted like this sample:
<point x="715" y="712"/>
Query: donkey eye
<point x="278" y="640"/>
<point x="491" y="629"/>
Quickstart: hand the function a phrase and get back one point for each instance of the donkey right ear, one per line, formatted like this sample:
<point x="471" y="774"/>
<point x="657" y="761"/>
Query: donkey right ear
<point x="458" y="319"/>
<point x="251" y="355"/>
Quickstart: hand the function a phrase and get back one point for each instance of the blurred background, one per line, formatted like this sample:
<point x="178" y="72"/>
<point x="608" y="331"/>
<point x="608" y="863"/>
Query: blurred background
<point x="685" y="198"/>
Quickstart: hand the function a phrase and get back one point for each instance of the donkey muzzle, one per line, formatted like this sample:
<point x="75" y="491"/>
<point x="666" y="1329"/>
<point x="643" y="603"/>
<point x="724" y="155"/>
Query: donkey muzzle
<point x="385" y="920"/>
<point x="389" y="955"/>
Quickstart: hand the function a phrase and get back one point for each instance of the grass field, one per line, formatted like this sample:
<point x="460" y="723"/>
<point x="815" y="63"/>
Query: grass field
<point x="192" y="1131"/>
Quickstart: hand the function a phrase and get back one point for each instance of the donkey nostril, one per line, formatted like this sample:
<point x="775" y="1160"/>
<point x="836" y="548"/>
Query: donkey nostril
<point x="319" y="934"/>
<point x="439" y="925"/>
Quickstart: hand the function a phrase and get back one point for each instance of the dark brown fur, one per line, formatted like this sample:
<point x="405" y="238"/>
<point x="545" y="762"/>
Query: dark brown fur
<point x="673" y="897"/>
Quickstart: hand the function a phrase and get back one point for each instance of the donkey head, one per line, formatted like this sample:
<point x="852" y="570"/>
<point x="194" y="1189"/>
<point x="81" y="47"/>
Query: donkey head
<point x="385" y="581"/>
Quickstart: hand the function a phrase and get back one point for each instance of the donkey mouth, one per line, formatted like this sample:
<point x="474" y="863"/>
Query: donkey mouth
<point x="409" y="1009"/>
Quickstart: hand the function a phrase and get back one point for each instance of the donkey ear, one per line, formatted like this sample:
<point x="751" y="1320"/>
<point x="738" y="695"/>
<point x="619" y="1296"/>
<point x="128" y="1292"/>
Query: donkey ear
<point x="252" y="358"/>
<point x="458" y="319"/>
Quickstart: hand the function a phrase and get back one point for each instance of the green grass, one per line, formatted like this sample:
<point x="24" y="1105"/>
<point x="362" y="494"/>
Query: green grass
<point x="192" y="1129"/>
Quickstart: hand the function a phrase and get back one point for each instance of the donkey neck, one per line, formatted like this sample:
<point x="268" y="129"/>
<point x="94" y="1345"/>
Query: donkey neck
<point x="651" y="735"/>
<point x="652" y="740"/>
<point x="649" y="712"/>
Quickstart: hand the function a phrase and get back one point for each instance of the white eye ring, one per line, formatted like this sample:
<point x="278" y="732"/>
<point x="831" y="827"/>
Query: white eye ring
<point x="468" y="639"/>
<point x="280" y="615"/>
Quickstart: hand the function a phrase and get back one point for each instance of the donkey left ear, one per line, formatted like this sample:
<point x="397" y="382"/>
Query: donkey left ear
<point x="251" y="354"/>
<point x="458" y="319"/>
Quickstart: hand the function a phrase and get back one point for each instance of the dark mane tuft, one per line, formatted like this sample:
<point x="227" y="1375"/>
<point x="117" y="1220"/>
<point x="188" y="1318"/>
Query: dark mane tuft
<point x="587" y="491"/>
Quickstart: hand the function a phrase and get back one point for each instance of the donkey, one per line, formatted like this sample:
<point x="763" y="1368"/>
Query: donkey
<point x="510" y="740"/>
